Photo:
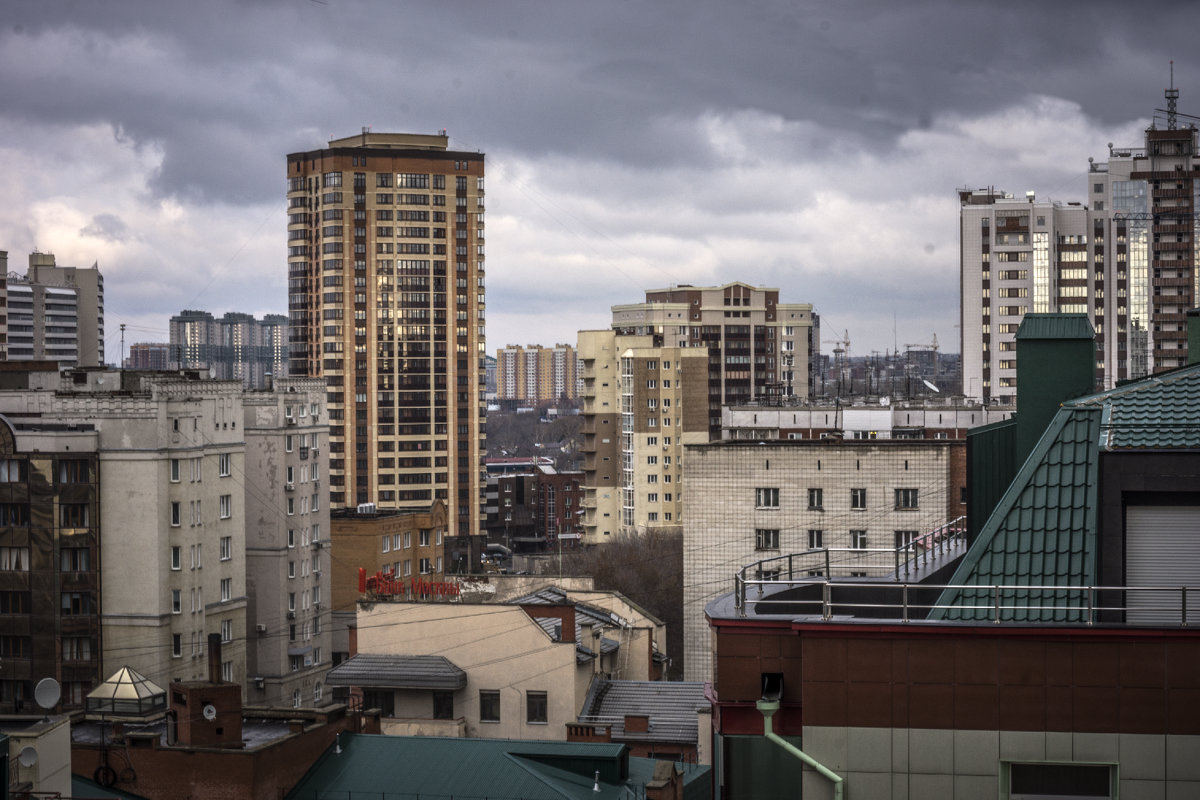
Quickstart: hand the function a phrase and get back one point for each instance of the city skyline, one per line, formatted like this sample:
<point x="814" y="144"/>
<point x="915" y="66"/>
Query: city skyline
<point x="814" y="149"/>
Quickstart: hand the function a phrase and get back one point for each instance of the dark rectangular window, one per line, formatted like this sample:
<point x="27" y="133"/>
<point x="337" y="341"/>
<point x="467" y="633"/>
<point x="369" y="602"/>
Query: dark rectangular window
<point x="73" y="515"/>
<point x="766" y="539"/>
<point x="489" y="705"/>
<point x="14" y="514"/>
<point x="443" y="705"/>
<point x="907" y="498"/>
<point x="535" y="707"/>
<point x="858" y="498"/>
<point x="73" y="470"/>
<point x="816" y="499"/>
<point x="75" y="559"/>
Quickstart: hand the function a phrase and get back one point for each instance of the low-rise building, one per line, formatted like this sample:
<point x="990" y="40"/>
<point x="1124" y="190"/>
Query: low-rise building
<point x="861" y="418"/>
<point x="518" y="670"/>
<point x="856" y="501"/>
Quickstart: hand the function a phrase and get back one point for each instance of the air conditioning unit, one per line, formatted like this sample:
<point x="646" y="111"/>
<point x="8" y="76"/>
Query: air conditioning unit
<point x="317" y="572"/>
<point x="289" y="487"/>
<point x="260" y="628"/>
<point x="319" y="544"/>
<point x="290" y="420"/>
<point x="317" y="604"/>
<point x="291" y="615"/>
<point x="316" y="451"/>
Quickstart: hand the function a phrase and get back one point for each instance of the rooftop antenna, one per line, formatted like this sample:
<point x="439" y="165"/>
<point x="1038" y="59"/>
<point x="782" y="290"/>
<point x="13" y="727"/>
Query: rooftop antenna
<point x="1172" y="95"/>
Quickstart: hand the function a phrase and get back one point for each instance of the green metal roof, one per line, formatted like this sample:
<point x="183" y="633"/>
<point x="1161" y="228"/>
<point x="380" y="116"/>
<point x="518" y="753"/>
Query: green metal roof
<point x="408" y="766"/>
<point x="1055" y="326"/>
<point x="1043" y="530"/>
<point x="1158" y="412"/>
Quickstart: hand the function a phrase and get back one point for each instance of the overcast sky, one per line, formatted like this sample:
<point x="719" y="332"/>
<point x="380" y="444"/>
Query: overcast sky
<point x="813" y="147"/>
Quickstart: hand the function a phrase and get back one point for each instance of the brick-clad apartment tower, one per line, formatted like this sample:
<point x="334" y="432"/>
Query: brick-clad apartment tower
<point x="386" y="303"/>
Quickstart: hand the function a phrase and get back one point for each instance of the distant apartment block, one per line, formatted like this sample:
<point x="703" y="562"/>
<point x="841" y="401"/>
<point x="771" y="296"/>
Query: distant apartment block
<point x="149" y="355"/>
<point x="236" y="347"/>
<point x="658" y="379"/>
<point x="56" y="313"/>
<point x="534" y="374"/>
<point x="1126" y="257"/>
<point x="213" y="538"/>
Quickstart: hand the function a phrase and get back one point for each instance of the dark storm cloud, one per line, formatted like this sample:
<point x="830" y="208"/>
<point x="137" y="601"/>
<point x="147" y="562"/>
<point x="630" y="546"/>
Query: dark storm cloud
<point x="814" y="146"/>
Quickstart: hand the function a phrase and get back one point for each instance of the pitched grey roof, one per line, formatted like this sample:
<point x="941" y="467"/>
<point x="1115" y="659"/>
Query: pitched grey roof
<point x="553" y="596"/>
<point x="670" y="705"/>
<point x="397" y="672"/>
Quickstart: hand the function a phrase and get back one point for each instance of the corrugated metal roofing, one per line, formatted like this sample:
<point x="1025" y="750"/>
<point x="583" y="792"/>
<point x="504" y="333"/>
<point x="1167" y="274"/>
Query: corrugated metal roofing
<point x="1055" y="326"/>
<point x="409" y="766"/>
<point x="670" y="705"/>
<point x="1043" y="530"/>
<point x="397" y="672"/>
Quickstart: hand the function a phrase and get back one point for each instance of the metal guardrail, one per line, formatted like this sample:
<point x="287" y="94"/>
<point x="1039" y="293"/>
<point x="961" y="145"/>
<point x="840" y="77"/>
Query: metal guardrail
<point x="1004" y="603"/>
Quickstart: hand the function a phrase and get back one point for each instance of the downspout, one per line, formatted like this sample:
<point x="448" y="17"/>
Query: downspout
<point x="768" y="709"/>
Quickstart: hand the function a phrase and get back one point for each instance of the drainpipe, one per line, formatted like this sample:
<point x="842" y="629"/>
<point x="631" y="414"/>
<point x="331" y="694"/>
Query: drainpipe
<point x="768" y="709"/>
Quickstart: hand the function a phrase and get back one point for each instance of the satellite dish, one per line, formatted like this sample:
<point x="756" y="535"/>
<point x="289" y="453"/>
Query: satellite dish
<point x="27" y="757"/>
<point x="932" y="388"/>
<point x="47" y="693"/>
<point x="210" y="712"/>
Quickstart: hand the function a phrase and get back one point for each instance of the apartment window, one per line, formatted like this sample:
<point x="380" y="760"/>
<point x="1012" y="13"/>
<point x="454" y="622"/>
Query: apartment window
<point x="423" y="538"/>
<point x="489" y="705"/>
<point x="291" y="537"/>
<point x="176" y="557"/>
<point x="816" y="539"/>
<point x="13" y="470"/>
<point x="766" y="539"/>
<point x="858" y="499"/>
<point x="223" y="464"/>
<point x="858" y="540"/>
<point x="175" y="513"/>
<point x="905" y="538"/>
<point x="906" y="498"/>
<point x="816" y="499"/>
<point x="77" y="648"/>
<point x="407" y="539"/>
<point x="287" y="441"/>
<point x="75" y="559"/>
<point x="291" y="569"/>
<point x="291" y="505"/>
<point x="766" y="498"/>
<point x="76" y="603"/>
<point x="14" y="559"/>
<point x="387" y="543"/>
<point x="226" y="548"/>
<point x="226" y="589"/>
<point x="443" y="705"/>
<point x="227" y="631"/>
<point x="174" y="470"/>
<point x="408" y="568"/>
<point x="426" y="566"/>
<point x="227" y="671"/>
<point x="291" y="602"/>
<point x="176" y="645"/>
<point x="535" y="708"/>
<point x="226" y="506"/>
<point x="176" y="601"/>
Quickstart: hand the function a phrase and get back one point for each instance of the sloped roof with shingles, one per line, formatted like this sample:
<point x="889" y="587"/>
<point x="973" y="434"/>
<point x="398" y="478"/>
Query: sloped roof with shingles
<point x="397" y="672"/>
<point x="1043" y="530"/>
<point x="670" y="705"/>
<point x="553" y="596"/>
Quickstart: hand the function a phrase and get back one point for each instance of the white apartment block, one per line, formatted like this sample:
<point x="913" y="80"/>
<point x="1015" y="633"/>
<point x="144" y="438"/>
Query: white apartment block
<point x="864" y="418"/>
<point x="56" y="313"/>
<point x="749" y="501"/>
<point x="288" y="576"/>
<point x="1126" y="257"/>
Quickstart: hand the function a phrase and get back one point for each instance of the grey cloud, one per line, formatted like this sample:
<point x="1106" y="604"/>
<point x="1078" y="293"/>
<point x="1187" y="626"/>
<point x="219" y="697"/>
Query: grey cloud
<point x="108" y="227"/>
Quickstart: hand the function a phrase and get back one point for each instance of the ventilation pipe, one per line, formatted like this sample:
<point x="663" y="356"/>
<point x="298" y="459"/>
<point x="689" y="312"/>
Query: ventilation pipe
<point x="767" y="706"/>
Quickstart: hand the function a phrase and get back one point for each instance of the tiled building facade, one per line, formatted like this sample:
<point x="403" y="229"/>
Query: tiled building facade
<point x="756" y="500"/>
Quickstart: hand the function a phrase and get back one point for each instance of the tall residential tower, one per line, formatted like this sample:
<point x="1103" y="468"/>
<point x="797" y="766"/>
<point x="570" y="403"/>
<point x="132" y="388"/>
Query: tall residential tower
<point x="1126" y="258"/>
<point x="386" y="304"/>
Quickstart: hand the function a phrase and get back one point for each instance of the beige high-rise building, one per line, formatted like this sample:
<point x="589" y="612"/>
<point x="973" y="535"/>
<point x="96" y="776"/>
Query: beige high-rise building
<point x="56" y="314"/>
<point x="536" y="374"/>
<point x="1126" y="257"/>
<point x="658" y="380"/>
<point x="386" y="304"/>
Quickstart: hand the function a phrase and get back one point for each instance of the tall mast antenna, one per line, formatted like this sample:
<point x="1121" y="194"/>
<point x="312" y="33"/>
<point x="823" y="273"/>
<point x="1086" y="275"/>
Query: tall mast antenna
<point x="1172" y="95"/>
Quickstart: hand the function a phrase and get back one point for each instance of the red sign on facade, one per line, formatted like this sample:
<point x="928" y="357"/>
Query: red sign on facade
<point x="384" y="583"/>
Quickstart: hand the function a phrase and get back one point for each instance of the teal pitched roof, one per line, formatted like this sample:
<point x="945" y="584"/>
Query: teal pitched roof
<point x="411" y="766"/>
<point x="1158" y="412"/>
<point x="1043" y="530"/>
<point x="1055" y="326"/>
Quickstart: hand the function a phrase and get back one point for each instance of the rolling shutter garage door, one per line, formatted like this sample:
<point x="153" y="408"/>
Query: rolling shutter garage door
<point x="1162" y="548"/>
